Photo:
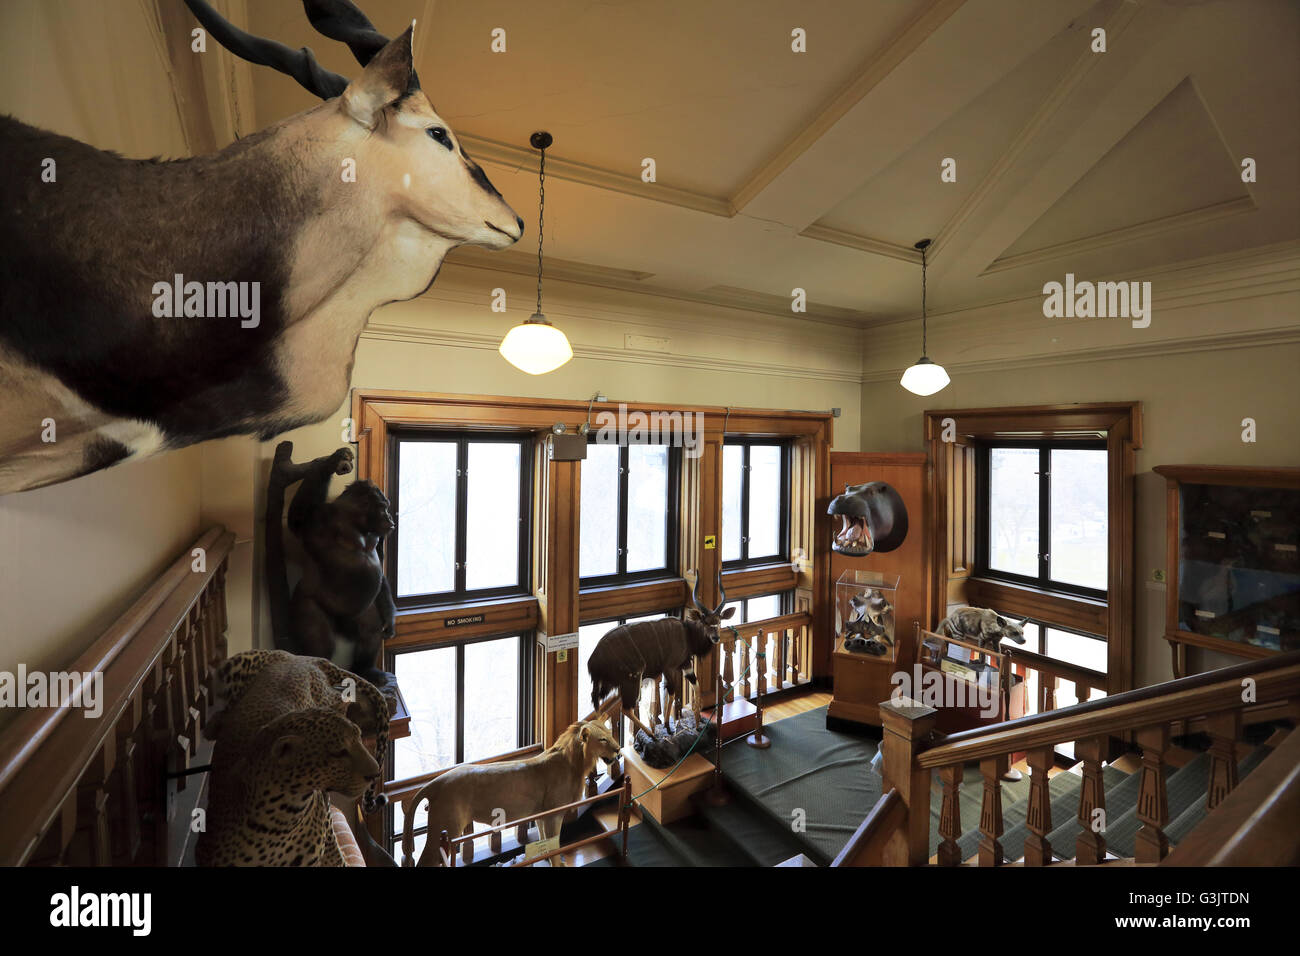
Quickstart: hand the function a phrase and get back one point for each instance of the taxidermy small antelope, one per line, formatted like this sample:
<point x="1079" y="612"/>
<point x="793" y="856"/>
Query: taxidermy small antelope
<point x="630" y="653"/>
<point x="147" y="305"/>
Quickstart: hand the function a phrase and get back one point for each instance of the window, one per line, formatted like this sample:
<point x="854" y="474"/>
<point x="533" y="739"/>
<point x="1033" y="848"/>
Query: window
<point x="629" y="513"/>
<point x="462" y="517"/>
<point x="1042" y="516"/>
<point x="467" y="701"/>
<point x="749" y="610"/>
<point x="755" y="502"/>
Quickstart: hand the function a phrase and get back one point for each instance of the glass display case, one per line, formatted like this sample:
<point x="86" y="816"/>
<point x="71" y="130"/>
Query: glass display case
<point x="864" y="613"/>
<point x="1234" y="571"/>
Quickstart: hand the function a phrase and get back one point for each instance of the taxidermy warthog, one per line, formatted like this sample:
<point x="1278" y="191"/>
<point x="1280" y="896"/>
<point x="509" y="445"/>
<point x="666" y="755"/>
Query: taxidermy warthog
<point x="982" y="626"/>
<point x="873" y="518"/>
<point x="632" y="652"/>
<point x="147" y="305"/>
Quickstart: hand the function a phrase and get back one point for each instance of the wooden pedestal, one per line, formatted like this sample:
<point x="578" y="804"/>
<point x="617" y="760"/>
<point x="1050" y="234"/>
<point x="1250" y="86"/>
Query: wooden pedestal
<point x="671" y="801"/>
<point x="861" y="683"/>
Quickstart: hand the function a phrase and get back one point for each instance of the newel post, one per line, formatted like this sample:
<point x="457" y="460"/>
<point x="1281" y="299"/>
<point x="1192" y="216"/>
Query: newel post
<point x="907" y="725"/>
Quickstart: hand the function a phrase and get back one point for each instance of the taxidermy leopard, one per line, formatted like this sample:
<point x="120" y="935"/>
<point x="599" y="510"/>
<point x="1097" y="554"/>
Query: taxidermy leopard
<point x="982" y="626"/>
<point x="273" y="808"/>
<point x="254" y="688"/>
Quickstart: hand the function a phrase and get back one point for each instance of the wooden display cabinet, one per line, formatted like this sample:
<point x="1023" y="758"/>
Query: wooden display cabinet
<point x="862" y="682"/>
<point x="1233" y="569"/>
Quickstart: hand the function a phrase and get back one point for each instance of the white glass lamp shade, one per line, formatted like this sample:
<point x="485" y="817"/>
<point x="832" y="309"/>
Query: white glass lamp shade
<point x="536" y="346"/>
<point x="924" y="378"/>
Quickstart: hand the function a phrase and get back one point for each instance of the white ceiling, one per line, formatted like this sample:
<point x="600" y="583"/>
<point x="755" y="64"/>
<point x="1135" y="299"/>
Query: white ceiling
<point x="819" y="170"/>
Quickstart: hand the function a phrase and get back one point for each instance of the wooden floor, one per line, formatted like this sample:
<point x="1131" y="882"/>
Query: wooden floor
<point x="608" y="817"/>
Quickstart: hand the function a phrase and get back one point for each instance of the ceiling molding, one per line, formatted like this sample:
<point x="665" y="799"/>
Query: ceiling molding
<point x="875" y="68"/>
<point x="878" y="247"/>
<point x="519" y="157"/>
<point x="1135" y="233"/>
<point x="626" y="280"/>
<point x="388" y="332"/>
<point x="1114" y="26"/>
<point x="1112" y="353"/>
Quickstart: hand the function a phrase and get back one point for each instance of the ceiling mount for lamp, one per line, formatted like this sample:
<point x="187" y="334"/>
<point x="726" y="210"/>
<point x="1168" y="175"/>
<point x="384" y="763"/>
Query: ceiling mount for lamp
<point x="925" y="377"/>
<point x="535" y="346"/>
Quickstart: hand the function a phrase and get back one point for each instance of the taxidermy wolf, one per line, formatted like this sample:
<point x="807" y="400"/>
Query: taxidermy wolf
<point x="982" y="626"/>
<point x="147" y="305"/>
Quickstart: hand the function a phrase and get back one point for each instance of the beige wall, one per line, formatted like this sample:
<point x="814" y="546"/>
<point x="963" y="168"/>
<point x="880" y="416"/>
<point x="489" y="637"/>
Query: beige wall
<point x="1193" y="404"/>
<point x="76" y="555"/>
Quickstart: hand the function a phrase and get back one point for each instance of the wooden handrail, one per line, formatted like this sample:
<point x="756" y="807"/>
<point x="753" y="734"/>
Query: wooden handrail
<point x="865" y="846"/>
<point x="1054" y="668"/>
<point x="1116" y="714"/>
<point x="45" y="755"/>
<point x="1255" y="824"/>
<point x="754" y="628"/>
<point x="1237" y="672"/>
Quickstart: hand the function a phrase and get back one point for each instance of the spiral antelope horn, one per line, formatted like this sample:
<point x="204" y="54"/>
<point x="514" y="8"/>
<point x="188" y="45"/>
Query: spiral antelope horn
<point x="341" y="20"/>
<point x="722" y="594"/>
<point x="695" y="595"/>
<point x="300" y="64"/>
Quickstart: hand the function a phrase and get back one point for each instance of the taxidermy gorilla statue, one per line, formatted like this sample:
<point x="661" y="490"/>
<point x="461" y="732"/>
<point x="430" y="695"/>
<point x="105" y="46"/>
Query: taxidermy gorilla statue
<point x="342" y="608"/>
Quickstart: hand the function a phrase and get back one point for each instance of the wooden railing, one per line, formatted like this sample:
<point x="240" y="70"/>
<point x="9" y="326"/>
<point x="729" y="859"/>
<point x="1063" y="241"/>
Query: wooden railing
<point x="912" y="751"/>
<point x="112" y="789"/>
<point x="449" y="848"/>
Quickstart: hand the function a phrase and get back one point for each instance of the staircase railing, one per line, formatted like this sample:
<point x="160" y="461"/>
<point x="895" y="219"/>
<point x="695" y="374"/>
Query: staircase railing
<point x="912" y="751"/>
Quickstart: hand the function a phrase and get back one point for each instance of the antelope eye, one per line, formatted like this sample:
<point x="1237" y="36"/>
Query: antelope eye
<point x="439" y="135"/>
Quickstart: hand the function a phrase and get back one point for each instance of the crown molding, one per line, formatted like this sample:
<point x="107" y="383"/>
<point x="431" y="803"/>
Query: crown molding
<point x="443" y="338"/>
<point x="878" y="247"/>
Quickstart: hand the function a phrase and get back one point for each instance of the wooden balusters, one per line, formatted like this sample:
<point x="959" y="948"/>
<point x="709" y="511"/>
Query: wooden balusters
<point x="782" y="640"/>
<point x="1223" y="729"/>
<point x="950" y="816"/>
<point x="796" y="644"/>
<point x="444" y="848"/>
<point x="494" y="840"/>
<point x="123" y="789"/>
<point x="1151" y="844"/>
<point x="746" y="665"/>
<point x="728" y="653"/>
<point x="1038" y="851"/>
<point x="467" y="848"/>
<point x="1090" y="848"/>
<point x="991" y="813"/>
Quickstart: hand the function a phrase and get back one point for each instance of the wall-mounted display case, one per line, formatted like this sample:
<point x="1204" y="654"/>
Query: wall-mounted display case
<point x="1234" y="570"/>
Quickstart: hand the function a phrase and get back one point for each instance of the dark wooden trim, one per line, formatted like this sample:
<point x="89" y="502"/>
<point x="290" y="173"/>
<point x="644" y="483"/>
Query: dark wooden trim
<point x="1232" y="475"/>
<point x="1076" y="613"/>
<point x="867" y="843"/>
<point x="428" y="627"/>
<point x="756" y="581"/>
<point x="602" y="603"/>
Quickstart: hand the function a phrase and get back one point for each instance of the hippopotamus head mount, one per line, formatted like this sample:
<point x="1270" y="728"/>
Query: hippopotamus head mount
<point x="872" y="518"/>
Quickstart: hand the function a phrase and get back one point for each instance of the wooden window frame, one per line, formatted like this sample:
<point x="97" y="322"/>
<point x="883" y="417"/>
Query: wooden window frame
<point x="554" y="603"/>
<point x="672" y="527"/>
<point x="745" y="561"/>
<point x="459" y="594"/>
<point x="1043" y="581"/>
<point x="952" y="436"/>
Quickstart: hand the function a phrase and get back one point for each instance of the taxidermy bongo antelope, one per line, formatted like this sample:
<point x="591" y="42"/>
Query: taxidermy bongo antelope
<point x="630" y="653"/>
<point x="147" y="305"/>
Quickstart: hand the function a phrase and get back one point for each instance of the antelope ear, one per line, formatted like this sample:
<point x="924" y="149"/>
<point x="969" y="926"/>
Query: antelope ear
<point x="389" y="74"/>
<point x="728" y="613"/>
<point x="692" y="614"/>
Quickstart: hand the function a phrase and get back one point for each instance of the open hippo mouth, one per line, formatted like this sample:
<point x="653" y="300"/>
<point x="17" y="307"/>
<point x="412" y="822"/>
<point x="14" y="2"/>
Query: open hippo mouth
<point x="854" y="536"/>
<point x="872" y="518"/>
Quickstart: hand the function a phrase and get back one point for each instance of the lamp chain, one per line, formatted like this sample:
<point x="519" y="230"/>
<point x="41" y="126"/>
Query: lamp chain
<point x="923" y="321"/>
<point x="541" y="208"/>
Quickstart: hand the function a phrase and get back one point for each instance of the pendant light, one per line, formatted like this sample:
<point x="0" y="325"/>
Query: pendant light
<point x="925" y="377"/>
<point x="536" y="346"/>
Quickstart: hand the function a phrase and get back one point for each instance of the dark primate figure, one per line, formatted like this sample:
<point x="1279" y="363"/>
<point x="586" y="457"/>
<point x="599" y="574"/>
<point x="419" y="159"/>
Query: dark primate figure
<point x="342" y="608"/>
<point x="632" y="652"/>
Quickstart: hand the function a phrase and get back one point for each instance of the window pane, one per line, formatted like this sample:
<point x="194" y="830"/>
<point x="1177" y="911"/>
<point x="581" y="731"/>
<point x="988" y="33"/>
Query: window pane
<point x="428" y="681"/>
<point x="1013" y="510"/>
<point x="426" y="497"/>
<point x="1089" y="652"/>
<point x="647" y="507"/>
<point x="733" y="462"/>
<point x="598" y="533"/>
<point x="1078" y="549"/>
<point x="762" y="608"/>
<point x="492" y="515"/>
<point x="491" y="698"/>
<point x="764" y="500"/>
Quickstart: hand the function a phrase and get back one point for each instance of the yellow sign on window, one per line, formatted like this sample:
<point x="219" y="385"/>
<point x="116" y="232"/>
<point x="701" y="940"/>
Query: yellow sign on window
<point x="710" y="542"/>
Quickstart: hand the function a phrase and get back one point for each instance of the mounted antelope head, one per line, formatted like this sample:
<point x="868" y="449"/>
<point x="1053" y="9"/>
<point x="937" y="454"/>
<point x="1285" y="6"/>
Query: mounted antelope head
<point x="710" y="618"/>
<point x="149" y="305"/>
